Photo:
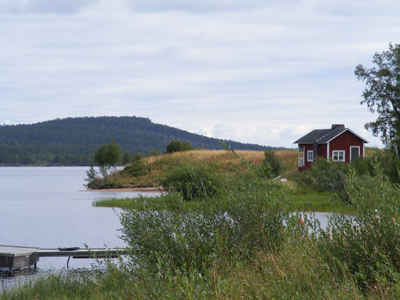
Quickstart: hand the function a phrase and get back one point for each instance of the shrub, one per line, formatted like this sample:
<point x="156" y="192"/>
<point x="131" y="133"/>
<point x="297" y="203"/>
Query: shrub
<point x="137" y="157"/>
<point x="176" y="146"/>
<point x="366" y="245"/>
<point x="186" y="146"/>
<point x="272" y="164"/>
<point x="389" y="162"/>
<point x="330" y="176"/>
<point x="324" y="176"/>
<point x="363" y="166"/>
<point x="194" y="181"/>
<point x="249" y="219"/>
<point x="136" y="169"/>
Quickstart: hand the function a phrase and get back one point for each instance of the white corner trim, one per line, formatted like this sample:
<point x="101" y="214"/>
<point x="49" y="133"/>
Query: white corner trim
<point x="327" y="151"/>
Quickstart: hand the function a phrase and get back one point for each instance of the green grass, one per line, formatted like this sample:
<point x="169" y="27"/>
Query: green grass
<point x="321" y="201"/>
<point x="303" y="200"/>
<point x="145" y="203"/>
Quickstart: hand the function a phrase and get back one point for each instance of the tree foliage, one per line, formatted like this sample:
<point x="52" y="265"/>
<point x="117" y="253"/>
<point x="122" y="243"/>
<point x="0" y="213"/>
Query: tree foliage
<point x="176" y="146"/>
<point x="106" y="158"/>
<point x="108" y="155"/>
<point x="126" y="159"/>
<point x="382" y="94"/>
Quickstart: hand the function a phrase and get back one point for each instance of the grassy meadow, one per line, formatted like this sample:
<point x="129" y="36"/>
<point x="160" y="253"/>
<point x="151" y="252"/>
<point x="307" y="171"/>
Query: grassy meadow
<point x="157" y="166"/>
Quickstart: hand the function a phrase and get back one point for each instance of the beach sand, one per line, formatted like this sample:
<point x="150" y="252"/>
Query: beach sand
<point x="142" y="189"/>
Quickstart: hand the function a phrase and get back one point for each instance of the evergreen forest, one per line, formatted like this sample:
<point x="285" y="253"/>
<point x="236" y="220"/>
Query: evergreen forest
<point x="73" y="141"/>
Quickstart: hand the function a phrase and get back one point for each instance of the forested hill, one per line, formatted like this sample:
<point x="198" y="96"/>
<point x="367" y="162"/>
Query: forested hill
<point x="72" y="141"/>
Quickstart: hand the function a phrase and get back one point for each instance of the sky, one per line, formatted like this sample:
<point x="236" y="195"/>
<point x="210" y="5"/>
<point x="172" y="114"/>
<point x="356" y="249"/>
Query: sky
<point x="253" y="71"/>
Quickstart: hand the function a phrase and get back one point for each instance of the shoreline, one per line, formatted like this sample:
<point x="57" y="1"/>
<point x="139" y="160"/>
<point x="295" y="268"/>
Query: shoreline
<point x="140" y="189"/>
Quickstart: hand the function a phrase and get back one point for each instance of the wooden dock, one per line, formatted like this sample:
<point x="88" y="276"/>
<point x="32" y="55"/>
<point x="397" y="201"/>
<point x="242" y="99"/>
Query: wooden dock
<point x="24" y="257"/>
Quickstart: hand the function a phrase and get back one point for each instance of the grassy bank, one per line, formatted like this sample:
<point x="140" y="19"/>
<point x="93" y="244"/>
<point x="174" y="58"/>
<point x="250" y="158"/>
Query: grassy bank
<point x="311" y="196"/>
<point x="149" y="171"/>
<point x="302" y="200"/>
<point x="157" y="167"/>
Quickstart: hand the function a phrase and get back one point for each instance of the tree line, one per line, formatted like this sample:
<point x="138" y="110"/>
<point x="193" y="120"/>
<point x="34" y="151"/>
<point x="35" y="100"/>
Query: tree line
<point x="73" y="141"/>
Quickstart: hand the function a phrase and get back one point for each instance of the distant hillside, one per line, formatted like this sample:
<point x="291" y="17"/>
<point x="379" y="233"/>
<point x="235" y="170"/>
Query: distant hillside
<point x="72" y="141"/>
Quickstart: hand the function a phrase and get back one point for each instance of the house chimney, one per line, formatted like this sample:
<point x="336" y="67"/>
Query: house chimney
<point x="338" y="126"/>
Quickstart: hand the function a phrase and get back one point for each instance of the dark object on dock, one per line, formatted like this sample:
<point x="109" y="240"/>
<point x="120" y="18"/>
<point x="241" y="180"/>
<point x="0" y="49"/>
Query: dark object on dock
<point x="68" y="249"/>
<point x="24" y="257"/>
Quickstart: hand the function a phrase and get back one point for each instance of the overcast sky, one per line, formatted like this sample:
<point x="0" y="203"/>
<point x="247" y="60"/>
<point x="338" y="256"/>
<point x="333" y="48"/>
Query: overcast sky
<point x="254" y="71"/>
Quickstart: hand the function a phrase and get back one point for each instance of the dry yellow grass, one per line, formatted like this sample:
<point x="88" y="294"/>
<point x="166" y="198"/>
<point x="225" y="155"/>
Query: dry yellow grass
<point x="369" y="151"/>
<point x="159" y="165"/>
<point x="222" y="156"/>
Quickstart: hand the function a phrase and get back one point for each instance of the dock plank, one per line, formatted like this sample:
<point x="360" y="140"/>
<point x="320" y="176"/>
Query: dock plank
<point x="17" y="256"/>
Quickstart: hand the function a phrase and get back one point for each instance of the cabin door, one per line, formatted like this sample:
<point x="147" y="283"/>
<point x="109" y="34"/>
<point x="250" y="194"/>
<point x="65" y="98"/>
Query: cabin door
<point x="354" y="153"/>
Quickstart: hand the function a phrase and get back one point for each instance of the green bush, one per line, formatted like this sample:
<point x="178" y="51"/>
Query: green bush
<point x="272" y="164"/>
<point x="136" y="169"/>
<point x="176" y="146"/>
<point x="330" y="176"/>
<point x="363" y="166"/>
<point x="366" y="246"/>
<point x="137" y="157"/>
<point x="249" y="219"/>
<point x="194" y="181"/>
<point x="325" y="176"/>
<point x="389" y="162"/>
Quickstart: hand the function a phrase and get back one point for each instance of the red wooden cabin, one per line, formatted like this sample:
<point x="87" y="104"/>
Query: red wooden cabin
<point x="336" y="144"/>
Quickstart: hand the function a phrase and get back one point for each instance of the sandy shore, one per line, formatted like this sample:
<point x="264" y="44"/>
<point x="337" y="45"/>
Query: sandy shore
<point x="143" y="189"/>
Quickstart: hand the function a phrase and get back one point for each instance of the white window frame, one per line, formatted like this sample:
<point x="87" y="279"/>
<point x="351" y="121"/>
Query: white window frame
<point x="338" y="151"/>
<point x="359" y="151"/>
<point x="310" y="155"/>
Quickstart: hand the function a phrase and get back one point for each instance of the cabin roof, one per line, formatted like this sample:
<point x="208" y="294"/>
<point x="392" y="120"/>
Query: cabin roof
<point x="324" y="136"/>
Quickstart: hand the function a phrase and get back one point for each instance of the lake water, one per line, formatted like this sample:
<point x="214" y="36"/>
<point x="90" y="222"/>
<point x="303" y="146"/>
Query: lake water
<point x="49" y="207"/>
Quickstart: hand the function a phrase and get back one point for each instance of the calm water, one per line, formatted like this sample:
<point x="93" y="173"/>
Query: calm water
<point x="49" y="207"/>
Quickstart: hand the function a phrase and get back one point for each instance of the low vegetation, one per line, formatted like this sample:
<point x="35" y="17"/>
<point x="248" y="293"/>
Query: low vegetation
<point x="149" y="171"/>
<point x="245" y="241"/>
<point x="191" y="172"/>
